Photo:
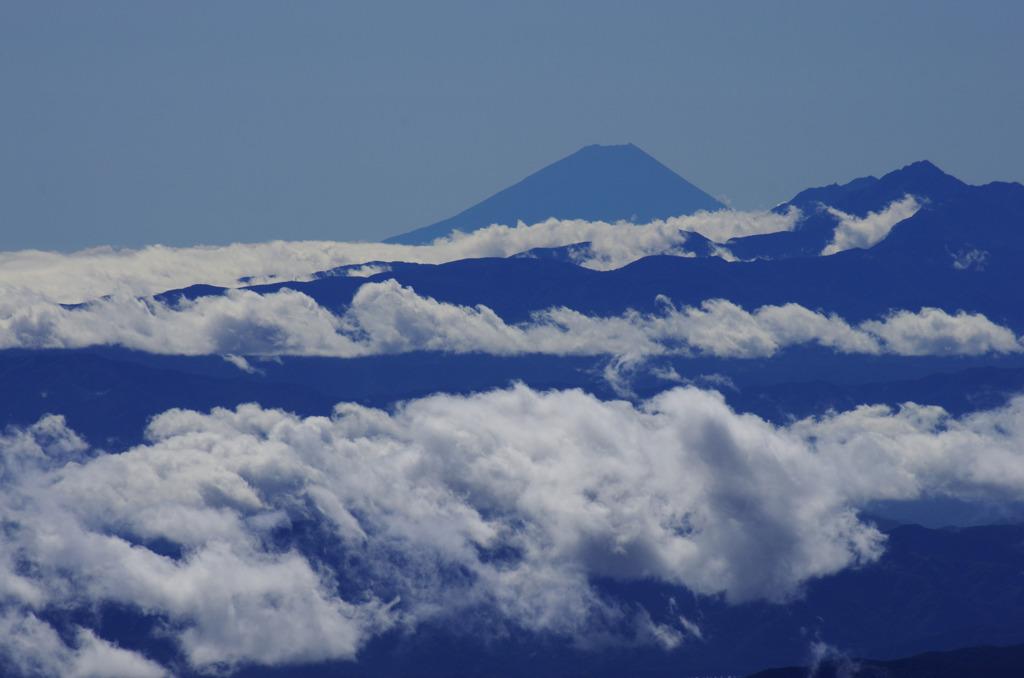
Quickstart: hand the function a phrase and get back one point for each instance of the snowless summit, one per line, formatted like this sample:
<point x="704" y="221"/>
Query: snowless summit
<point x="596" y="183"/>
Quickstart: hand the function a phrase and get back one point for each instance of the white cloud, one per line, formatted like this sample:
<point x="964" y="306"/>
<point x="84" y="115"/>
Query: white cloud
<point x="79" y="277"/>
<point x="367" y="270"/>
<point x="241" y="363"/>
<point x="615" y="245"/>
<point x="932" y="331"/>
<point x="971" y="259"/>
<point x="720" y="227"/>
<point x="863" y="233"/>
<point x="917" y="450"/>
<point x="506" y="504"/>
<point x="240" y="322"/>
<point x="33" y="648"/>
<point x="386" y="317"/>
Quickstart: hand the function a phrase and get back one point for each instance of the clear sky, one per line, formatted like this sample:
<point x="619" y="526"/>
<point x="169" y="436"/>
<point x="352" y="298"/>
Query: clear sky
<point x="185" y="123"/>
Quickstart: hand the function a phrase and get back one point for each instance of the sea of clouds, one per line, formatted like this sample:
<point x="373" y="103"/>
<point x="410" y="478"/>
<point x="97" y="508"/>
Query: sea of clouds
<point x="300" y="539"/>
<point x="103" y="297"/>
<point x="255" y="536"/>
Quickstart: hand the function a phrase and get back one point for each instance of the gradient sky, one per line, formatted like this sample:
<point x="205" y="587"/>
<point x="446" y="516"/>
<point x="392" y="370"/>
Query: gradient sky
<point x="134" y="123"/>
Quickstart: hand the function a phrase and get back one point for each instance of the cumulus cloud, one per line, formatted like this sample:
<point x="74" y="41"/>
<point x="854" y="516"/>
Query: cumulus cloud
<point x="388" y="318"/>
<point x="238" y="322"/>
<point x="79" y="277"/>
<point x="288" y="539"/>
<point x="33" y="648"/>
<point x="230" y="598"/>
<point x="854" y="232"/>
<point x="922" y="450"/>
<point x="934" y="332"/>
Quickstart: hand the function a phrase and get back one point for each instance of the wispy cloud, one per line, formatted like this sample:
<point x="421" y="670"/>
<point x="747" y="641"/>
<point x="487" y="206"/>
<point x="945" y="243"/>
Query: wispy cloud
<point x="864" y="232"/>
<point x="387" y="318"/>
<point x="74" y="278"/>
<point x="969" y="260"/>
<point x="506" y="504"/>
<point x="88" y="275"/>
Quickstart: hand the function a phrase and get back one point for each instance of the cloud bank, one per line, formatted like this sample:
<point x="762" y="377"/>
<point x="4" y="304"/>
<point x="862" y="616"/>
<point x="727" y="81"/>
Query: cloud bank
<point x="90" y="274"/>
<point x="75" y="278"/>
<point x="260" y="537"/>
<point x="388" y="318"/>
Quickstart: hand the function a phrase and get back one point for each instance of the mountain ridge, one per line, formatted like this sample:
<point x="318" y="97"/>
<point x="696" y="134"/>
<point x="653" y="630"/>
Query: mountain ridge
<point x="953" y="212"/>
<point x="450" y="338"/>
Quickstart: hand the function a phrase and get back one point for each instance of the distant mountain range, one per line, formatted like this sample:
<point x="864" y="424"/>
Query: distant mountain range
<point x="832" y="342"/>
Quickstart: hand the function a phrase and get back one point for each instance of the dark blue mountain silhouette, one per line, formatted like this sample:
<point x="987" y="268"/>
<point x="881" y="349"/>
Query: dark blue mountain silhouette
<point x="937" y="191"/>
<point x="596" y="183"/>
<point x="933" y="590"/>
<point x="868" y="194"/>
<point x="857" y="284"/>
<point x="986" y="219"/>
<point x="961" y="250"/>
<point x="987" y="661"/>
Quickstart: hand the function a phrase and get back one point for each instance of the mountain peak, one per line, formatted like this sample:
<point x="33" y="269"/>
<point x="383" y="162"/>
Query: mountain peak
<point x="922" y="165"/>
<point x="596" y="183"/>
<point x="922" y="179"/>
<point x="922" y="169"/>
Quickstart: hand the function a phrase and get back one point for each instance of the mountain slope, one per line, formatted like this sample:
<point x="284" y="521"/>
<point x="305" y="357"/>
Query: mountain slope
<point x="933" y="189"/>
<point x="522" y="531"/>
<point x="597" y="183"/>
<point x="985" y="660"/>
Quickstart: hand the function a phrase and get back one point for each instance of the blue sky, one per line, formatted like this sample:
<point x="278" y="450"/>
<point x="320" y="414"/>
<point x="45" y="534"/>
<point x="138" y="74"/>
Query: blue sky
<point x="127" y="123"/>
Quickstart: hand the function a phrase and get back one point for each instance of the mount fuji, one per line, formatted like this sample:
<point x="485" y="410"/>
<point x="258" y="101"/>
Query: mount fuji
<point x="596" y="183"/>
<point x="595" y="425"/>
